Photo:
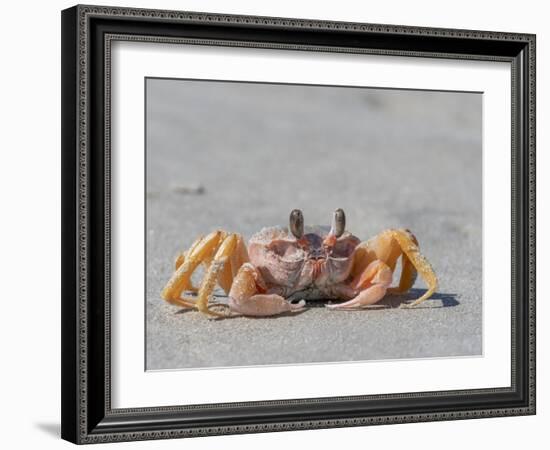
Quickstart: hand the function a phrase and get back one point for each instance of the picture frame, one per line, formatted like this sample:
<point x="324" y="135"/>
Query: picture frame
<point x="87" y="365"/>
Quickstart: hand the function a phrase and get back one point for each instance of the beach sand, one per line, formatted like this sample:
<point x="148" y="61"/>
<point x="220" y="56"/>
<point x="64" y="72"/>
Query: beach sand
<point x="241" y="156"/>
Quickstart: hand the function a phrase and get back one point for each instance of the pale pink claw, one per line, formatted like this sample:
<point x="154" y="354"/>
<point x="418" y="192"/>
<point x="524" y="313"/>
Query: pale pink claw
<point x="367" y="297"/>
<point x="261" y="305"/>
<point x="376" y="278"/>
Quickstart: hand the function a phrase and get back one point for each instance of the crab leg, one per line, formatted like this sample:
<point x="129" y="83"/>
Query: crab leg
<point x="372" y="283"/>
<point x="183" y="302"/>
<point x="408" y="277"/>
<point x="180" y="259"/>
<point x="221" y="258"/>
<point x="186" y="264"/>
<point x="229" y="270"/>
<point x="248" y="297"/>
<point x="388" y="246"/>
<point x="411" y="252"/>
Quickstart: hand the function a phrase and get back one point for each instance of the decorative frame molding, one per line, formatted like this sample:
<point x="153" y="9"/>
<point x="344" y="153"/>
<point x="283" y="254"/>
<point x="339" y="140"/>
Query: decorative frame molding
<point x="87" y="34"/>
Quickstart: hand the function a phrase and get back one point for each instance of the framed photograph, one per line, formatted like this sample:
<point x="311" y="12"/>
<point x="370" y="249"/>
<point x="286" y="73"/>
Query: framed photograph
<point x="278" y="224"/>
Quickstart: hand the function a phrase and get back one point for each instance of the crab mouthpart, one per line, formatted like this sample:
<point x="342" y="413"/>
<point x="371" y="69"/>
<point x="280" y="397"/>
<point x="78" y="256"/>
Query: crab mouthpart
<point x="319" y="266"/>
<point x="313" y="247"/>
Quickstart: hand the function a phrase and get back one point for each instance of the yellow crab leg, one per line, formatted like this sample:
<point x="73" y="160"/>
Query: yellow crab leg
<point x="241" y="255"/>
<point x="199" y="251"/>
<point x="221" y="258"/>
<point x="182" y="302"/>
<point x="410" y="249"/>
<point x="236" y="259"/>
<point x="180" y="259"/>
<point x="382" y="247"/>
<point x="225" y="276"/>
<point x="408" y="277"/>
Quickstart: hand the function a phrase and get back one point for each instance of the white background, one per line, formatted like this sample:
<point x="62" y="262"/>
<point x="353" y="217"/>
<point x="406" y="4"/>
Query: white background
<point x="30" y="229"/>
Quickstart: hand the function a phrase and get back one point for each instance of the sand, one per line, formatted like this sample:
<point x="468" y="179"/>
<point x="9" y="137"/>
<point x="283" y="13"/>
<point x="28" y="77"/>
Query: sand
<point x="241" y="156"/>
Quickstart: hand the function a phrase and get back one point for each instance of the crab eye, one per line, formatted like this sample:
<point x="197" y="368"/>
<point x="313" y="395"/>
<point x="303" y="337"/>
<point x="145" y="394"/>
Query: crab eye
<point x="297" y="223"/>
<point x="338" y="223"/>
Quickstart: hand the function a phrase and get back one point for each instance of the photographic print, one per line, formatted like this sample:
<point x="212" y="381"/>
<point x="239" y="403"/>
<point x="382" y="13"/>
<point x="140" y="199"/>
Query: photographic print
<point x="295" y="224"/>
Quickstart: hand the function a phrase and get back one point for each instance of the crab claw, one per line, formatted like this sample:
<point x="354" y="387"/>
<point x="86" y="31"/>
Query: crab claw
<point x="262" y="305"/>
<point x="248" y="296"/>
<point x="372" y="284"/>
<point x="364" y="298"/>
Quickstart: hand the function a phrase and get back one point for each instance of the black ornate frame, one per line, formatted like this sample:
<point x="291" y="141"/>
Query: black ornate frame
<point x="87" y="33"/>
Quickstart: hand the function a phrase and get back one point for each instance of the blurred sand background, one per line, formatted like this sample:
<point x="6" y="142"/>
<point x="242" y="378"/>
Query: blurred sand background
<point x="241" y="156"/>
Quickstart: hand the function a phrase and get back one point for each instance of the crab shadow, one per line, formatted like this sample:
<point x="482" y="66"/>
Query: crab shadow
<point x="220" y="304"/>
<point x="437" y="300"/>
<point x="276" y="317"/>
<point x="185" y="311"/>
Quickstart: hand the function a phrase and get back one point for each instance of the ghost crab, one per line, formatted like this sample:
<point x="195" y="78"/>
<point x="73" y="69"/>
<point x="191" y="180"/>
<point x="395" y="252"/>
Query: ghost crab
<point x="281" y="264"/>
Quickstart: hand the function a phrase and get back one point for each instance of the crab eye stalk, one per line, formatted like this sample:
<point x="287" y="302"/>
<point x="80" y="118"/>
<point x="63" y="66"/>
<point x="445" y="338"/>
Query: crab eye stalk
<point x="338" y="223"/>
<point x="297" y="223"/>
